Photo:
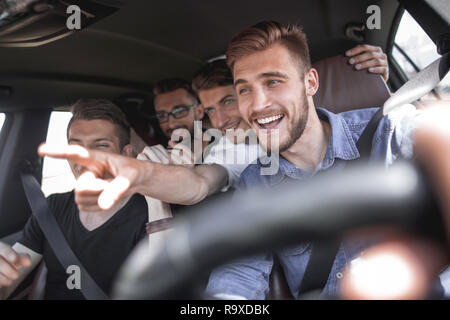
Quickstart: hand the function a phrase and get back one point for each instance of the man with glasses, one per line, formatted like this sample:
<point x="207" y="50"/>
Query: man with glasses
<point x="176" y="106"/>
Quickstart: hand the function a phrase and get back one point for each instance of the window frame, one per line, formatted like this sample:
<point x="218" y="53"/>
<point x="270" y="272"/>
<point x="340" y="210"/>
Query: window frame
<point x="395" y="66"/>
<point x="390" y="46"/>
<point x="7" y="124"/>
<point x="43" y="186"/>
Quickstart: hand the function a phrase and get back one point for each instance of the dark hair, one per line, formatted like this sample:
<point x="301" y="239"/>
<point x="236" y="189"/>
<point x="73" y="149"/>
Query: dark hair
<point x="213" y="74"/>
<point x="266" y="33"/>
<point x="102" y="109"/>
<point x="169" y="85"/>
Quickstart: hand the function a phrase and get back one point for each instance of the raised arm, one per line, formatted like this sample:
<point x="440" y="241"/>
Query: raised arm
<point x="115" y="176"/>
<point x="179" y="184"/>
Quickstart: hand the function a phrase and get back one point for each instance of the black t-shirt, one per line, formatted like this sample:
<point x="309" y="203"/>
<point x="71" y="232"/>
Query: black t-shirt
<point x="101" y="251"/>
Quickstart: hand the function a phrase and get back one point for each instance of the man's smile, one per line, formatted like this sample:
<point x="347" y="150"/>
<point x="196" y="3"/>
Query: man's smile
<point x="269" y="121"/>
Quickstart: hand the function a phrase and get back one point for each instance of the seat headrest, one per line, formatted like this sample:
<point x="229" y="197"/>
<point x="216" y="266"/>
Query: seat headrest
<point x="342" y="88"/>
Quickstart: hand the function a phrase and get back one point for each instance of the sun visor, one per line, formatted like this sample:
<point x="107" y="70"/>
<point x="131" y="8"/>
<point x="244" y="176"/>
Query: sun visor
<point x="29" y="23"/>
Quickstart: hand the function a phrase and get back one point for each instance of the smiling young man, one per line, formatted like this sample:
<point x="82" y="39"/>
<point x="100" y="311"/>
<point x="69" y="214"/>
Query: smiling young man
<point x="237" y="146"/>
<point x="214" y="86"/>
<point x="101" y="239"/>
<point x="275" y="85"/>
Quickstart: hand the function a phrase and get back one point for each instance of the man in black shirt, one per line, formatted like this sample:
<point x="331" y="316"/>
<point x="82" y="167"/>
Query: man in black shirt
<point x="101" y="240"/>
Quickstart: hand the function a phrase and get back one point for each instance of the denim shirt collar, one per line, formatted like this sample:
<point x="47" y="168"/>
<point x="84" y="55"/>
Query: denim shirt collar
<point x="341" y="145"/>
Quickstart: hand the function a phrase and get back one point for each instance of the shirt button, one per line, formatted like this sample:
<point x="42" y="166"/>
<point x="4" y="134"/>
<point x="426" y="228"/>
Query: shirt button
<point x="339" y="275"/>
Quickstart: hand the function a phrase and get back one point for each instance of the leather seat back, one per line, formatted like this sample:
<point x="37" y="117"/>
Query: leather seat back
<point x="342" y="88"/>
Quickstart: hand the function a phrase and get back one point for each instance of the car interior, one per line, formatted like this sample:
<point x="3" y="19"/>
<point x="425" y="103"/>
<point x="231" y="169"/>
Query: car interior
<point x="125" y="46"/>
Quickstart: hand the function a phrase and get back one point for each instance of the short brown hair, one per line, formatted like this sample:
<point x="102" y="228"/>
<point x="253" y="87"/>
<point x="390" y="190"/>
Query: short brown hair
<point x="214" y="74"/>
<point x="169" y="85"/>
<point x="262" y="35"/>
<point x="102" y="109"/>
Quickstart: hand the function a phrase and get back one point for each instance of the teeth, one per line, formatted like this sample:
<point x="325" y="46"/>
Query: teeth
<point x="269" y="119"/>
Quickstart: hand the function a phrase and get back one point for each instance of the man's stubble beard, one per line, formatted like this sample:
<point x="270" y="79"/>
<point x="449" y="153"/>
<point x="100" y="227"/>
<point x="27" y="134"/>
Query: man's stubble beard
<point x="298" y="126"/>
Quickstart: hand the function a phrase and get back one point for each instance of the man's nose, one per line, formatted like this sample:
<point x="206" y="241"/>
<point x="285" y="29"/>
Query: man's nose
<point x="221" y="119"/>
<point x="173" y="123"/>
<point x="260" y="100"/>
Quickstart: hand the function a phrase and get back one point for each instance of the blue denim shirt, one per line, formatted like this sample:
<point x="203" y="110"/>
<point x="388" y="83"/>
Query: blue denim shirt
<point x="393" y="139"/>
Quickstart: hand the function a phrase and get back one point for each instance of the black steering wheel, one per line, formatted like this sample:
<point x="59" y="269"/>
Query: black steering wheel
<point x="259" y="220"/>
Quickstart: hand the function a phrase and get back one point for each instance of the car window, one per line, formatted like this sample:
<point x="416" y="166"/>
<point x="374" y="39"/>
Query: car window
<point x="2" y="120"/>
<point x="413" y="50"/>
<point x="56" y="174"/>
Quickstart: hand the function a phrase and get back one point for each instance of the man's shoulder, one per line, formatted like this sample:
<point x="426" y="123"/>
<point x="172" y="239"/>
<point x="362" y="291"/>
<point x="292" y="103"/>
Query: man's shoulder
<point x="358" y="118"/>
<point x="58" y="202"/>
<point x="353" y="122"/>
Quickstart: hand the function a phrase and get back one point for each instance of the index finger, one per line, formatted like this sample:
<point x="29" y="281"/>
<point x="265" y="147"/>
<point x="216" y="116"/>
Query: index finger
<point x="74" y="153"/>
<point x="94" y="160"/>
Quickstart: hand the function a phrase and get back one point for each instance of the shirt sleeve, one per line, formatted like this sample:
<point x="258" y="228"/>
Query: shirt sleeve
<point x="395" y="134"/>
<point x="245" y="278"/>
<point x="406" y="121"/>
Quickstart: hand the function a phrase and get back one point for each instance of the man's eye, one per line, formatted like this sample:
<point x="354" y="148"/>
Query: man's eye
<point x="228" y="101"/>
<point x="273" y="82"/>
<point x="177" y="110"/>
<point x="102" y="146"/>
<point x="209" y="111"/>
<point x="243" y="91"/>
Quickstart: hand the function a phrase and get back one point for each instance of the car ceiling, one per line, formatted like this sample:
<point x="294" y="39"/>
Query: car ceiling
<point x="146" y="41"/>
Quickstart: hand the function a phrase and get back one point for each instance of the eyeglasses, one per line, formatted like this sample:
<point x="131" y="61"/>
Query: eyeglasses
<point x="178" y="112"/>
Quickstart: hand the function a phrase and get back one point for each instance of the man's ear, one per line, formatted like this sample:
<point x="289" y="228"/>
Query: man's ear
<point x="199" y="112"/>
<point x="128" y="151"/>
<point x="311" y="82"/>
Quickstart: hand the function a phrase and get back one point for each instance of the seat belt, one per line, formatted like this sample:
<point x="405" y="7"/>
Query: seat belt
<point x="323" y="253"/>
<point x="52" y="232"/>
